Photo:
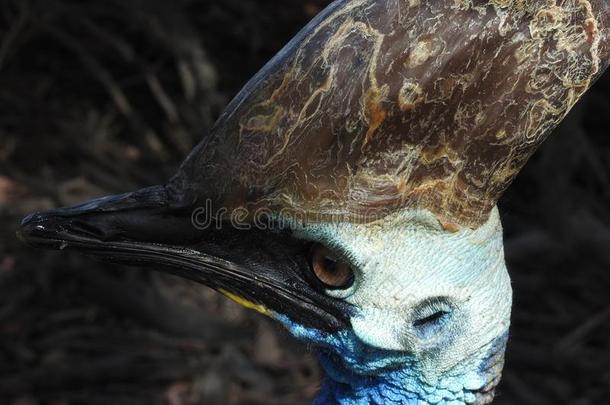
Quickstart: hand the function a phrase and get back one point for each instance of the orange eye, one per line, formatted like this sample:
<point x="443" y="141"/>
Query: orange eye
<point x="329" y="270"/>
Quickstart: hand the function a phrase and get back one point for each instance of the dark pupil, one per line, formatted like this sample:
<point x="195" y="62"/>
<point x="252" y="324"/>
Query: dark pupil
<point x="330" y="265"/>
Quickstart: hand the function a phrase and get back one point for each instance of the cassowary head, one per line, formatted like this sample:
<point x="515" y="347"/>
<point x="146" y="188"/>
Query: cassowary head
<point x="349" y="190"/>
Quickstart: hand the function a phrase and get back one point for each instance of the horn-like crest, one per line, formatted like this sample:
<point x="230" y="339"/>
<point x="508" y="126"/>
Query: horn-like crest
<point x="382" y="105"/>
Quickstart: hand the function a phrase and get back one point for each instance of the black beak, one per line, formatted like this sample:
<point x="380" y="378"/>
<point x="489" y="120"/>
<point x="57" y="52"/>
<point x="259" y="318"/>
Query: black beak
<point x="263" y="269"/>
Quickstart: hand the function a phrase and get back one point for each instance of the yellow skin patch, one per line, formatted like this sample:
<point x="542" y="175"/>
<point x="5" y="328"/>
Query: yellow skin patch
<point x="261" y="309"/>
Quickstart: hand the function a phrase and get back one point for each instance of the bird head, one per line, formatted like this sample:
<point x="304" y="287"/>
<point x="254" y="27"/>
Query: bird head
<point x="398" y="300"/>
<point x="349" y="190"/>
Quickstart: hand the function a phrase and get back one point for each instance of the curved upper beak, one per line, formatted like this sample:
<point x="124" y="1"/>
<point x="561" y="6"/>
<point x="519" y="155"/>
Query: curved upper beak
<point x="260" y="269"/>
<point x="146" y="215"/>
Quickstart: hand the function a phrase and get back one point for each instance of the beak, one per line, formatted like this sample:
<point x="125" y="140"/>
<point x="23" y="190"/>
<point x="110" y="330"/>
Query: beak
<point x="264" y="270"/>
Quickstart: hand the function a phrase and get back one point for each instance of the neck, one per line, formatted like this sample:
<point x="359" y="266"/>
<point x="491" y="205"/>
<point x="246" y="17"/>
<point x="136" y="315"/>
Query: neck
<point x="343" y="386"/>
<point x="394" y="388"/>
<point x="399" y="387"/>
<point x="357" y="374"/>
<point x="333" y="392"/>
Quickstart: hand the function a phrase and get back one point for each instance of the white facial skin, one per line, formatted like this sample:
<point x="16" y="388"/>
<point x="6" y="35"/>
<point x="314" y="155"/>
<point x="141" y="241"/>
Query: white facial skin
<point x="406" y="261"/>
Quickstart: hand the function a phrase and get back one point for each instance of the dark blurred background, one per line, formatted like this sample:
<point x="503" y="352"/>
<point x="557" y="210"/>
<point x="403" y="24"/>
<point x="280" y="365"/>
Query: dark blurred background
<point x="101" y="97"/>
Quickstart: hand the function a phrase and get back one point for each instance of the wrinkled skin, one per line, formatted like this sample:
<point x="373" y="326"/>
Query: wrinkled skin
<point x="437" y="304"/>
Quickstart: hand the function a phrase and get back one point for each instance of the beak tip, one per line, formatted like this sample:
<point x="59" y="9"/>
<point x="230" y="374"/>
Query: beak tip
<point x="31" y="219"/>
<point x="37" y="230"/>
<point x="28" y="226"/>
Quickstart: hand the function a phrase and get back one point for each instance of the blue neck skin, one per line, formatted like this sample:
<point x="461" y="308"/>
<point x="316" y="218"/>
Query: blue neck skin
<point x="357" y="374"/>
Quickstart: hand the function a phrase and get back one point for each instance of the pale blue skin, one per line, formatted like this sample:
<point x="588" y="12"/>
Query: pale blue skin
<point x="401" y="263"/>
<point x="376" y="376"/>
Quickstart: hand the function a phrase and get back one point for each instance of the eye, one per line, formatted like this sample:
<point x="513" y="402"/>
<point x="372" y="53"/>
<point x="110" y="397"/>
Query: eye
<point x="329" y="270"/>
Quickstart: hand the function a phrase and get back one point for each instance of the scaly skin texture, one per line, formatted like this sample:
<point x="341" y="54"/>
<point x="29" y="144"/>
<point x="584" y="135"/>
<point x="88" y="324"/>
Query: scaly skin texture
<point x="361" y="375"/>
<point x="407" y="267"/>
<point x="382" y="105"/>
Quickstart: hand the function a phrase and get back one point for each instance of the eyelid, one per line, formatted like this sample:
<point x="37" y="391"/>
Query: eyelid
<point x="341" y="255"/>
<point x="333" y="244"/>
<point x="431" y="306"/>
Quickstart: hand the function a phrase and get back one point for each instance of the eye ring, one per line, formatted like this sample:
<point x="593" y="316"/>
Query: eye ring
<point x="329" y="270"/>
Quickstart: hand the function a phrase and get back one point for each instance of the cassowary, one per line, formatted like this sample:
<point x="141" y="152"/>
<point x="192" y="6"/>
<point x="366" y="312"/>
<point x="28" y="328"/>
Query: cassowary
<point x="349" y="190"/>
